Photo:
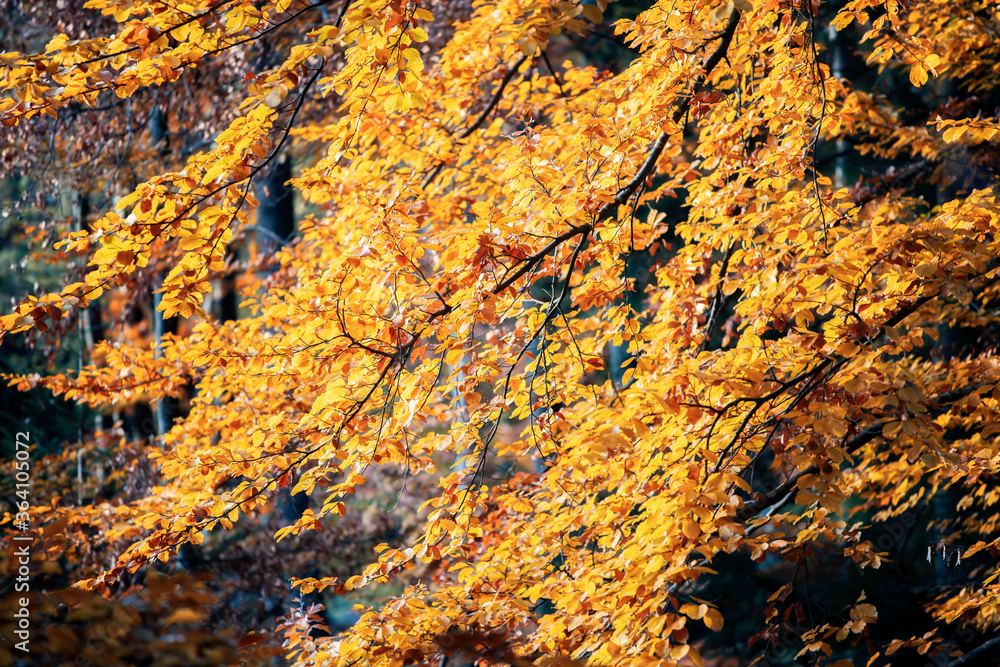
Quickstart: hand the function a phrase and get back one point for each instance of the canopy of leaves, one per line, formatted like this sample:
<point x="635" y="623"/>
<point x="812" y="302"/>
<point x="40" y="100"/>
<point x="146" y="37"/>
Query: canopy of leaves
<point x="615" y="333"/>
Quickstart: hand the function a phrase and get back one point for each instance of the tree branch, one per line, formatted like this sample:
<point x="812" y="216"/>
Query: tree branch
<point x="718" y="301"/>
<point x="496" y="99"/>
<point x="682" y="107"/>
<point x="852" y="445"/>
<point x="976" y="652"/>
<point x="609" y="208"/>
<point x="481" y="119"/>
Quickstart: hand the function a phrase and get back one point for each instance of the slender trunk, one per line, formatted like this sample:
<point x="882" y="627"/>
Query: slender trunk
<point x="89" y="331"/>
<point x="276" y="212"/>
<point x="276" y="224"/>
<point x="837" y="60"/>
<point x="224" y="299"/>
<point x="167" y="407"/>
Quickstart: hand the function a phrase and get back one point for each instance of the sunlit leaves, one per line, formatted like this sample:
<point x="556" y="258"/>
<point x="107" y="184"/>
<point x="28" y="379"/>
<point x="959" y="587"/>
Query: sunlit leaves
<point x="467" y="285"/>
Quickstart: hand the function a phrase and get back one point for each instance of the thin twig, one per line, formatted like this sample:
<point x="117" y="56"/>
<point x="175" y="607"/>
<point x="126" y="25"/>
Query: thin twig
<point x="718" y="301"/>
<point x="480" y="120"/>
<point x="976" y="652"/>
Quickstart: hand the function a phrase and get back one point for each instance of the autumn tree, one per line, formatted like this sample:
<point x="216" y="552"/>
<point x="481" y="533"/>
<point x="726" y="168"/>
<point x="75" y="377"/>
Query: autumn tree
<point x="646" y="345"/>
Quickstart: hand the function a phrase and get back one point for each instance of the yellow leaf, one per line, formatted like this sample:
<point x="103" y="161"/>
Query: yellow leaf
<point x="724" y="10"/>
<point x="694" y="611"/>
<point x="275" y="96"/>
<point x="918" y="75"/>
<point x="713" y="619"/>
<point x="105" y="255"/>
<point x="953" y="134"/>
<point x="891" y="429"/>
<point x="397" y="102"/>
<point x="191" y="241"/>
<point x="184" y="616"/>
<point x="592" y="13"/>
